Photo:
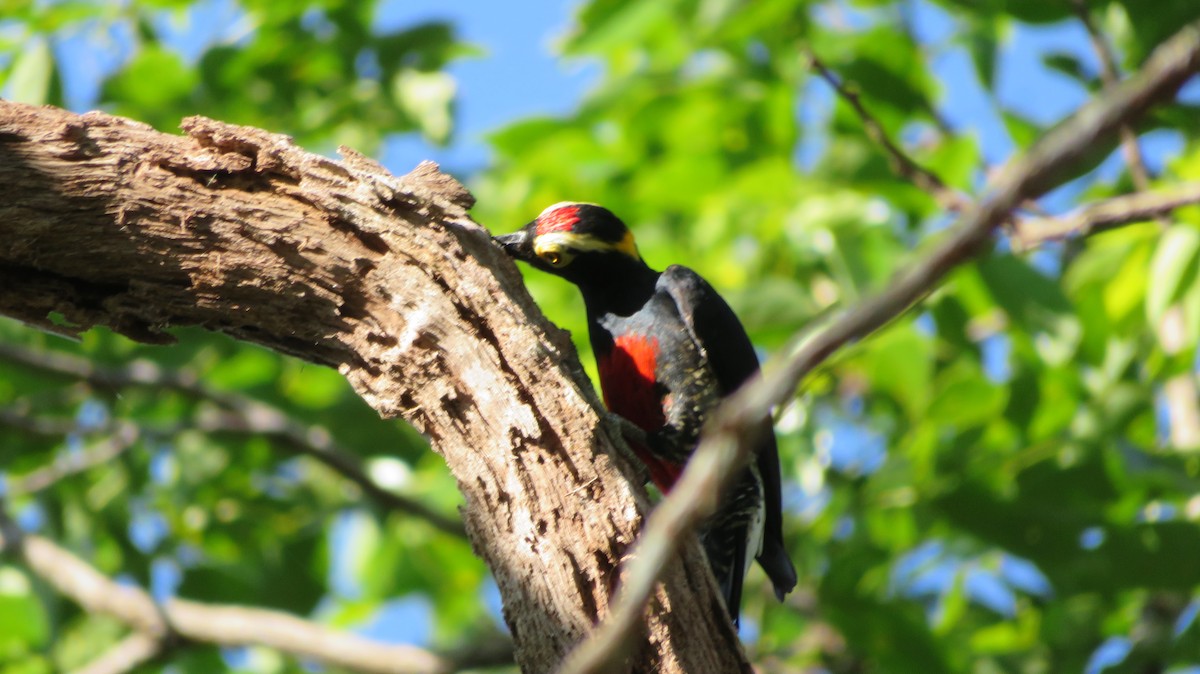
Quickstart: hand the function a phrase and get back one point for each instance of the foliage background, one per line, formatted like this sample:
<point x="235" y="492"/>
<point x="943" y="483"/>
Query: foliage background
<point x="1002" y="481"/>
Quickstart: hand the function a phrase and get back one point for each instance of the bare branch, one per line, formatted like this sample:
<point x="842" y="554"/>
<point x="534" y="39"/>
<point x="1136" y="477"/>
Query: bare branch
<point x="1105" y="215"/>
<point x="728" y="441"/>
<point x="242" y="414"/>
<point x="20" y="417"/>
<point x="117" y="439"/>
<point x="1109" y="77"/>
<point x="901" y="163"/>
<point x="139" y="372"/>
<point x="221" y="625"/>
<point x="318" y="443"/>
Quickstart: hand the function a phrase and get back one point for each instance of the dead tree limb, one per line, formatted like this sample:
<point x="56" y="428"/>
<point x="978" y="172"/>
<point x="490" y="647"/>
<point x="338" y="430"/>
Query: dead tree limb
<point x="104" y="221"/>
<point x="156" y="625"/>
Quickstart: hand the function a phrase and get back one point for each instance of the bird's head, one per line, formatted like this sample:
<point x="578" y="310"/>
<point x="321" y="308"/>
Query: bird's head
<point x="571" y="239"/>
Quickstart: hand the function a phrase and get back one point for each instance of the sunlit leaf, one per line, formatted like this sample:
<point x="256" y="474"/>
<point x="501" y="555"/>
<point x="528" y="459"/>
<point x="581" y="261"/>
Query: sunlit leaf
<point x="1173" y="269"/>
<point x="32" y="69"/>
<point x="23" y="620"/>
<point x="427" y="97"/>
<point x="966" y="400"/>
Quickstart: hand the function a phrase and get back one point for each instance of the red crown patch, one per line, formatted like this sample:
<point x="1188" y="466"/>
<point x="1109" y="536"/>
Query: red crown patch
<point x="559" y="220"/>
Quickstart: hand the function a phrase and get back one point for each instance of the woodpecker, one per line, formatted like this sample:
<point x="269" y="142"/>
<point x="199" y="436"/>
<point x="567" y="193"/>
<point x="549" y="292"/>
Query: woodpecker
<point x="668" y="349"/>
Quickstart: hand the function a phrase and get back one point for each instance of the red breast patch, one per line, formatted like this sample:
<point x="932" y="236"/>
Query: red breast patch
<point x="630" y="389"/>
<point x="558" y="220"/>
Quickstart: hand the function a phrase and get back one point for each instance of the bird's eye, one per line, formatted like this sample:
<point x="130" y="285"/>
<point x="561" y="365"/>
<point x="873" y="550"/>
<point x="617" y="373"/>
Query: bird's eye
<point x="556" y="257"/>
<point x="552" y="252"/>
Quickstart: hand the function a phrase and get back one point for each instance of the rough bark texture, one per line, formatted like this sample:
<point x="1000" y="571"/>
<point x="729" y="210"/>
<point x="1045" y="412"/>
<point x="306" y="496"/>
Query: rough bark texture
<point x="104" y="221"/>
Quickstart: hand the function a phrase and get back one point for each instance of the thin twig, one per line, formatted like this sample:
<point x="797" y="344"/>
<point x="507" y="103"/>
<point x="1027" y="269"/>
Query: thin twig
<point x="139" y="372"/>
<point x="1109" y="77"/>
<point x="116" y="441"/>
<point x="222" y="625"/>
<point x="318" y="443"/>
<point x="728" y="442"/>
<point x="242" y="413"/>
<point x="1105" y="215"/>
<point x="20" y="417"/>
<point x="901" y="163"/>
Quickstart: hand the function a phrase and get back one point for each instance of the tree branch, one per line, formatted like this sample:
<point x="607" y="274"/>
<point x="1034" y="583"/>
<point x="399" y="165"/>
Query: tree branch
<point x="728" y="441"/>
<point x="207" y="623"/>
<point x="1105" y="215"/>
<point x="108" y="222"/>
<point x="138" y="373"/>
<point x="241" y="414"/>
<point x="118" y="438"/>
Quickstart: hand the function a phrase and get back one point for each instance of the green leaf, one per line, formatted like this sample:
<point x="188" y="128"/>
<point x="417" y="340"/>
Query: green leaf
<point x="1030" y="11"/>
<point x="955" y="159"/>
<point x="246" y="367"/>
<point x="32" y="72"/>
<point x="1008" y="637"/>
<point x="1029" y="297"/>
<point x="1125" y="289"/>
<point x="1149" y="28"/>
<point x="1022" y="131"/>
<point x="427" y="96"/>
<point x="606" y="25"/>
<point x="900" y="363"/>
<point x="1069" y="65"/>
<point x="1190" y="306"/>
<point x="1173" y="269"/>
<point x="982" y="41"/>
<point x="953" y="604"/>
<point x="966" y="399"/>
<point x="156" y="81"/>
<point x="22" y="618"/>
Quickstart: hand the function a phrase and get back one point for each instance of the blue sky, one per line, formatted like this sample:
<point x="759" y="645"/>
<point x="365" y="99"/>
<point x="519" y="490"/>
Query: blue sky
<point x="518" y="75"/>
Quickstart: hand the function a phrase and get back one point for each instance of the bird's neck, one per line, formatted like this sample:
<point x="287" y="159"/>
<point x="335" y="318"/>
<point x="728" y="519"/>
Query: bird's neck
<point x="620" y="288"/>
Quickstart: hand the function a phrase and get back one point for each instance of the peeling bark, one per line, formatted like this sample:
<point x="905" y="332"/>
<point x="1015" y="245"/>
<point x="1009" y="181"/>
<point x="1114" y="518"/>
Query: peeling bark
<point x="104" y="221"/>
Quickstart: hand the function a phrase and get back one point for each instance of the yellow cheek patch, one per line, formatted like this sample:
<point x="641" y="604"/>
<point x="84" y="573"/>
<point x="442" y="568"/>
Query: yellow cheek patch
<point x="560" y="242"/>
<point x="628" y="246"/>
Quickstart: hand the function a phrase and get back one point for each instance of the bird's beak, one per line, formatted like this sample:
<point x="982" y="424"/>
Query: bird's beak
<point x="519" y="244"/>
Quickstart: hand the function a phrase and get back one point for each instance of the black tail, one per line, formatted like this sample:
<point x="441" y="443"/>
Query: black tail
<point x="773" y="557"/>
<point x="775" y="561"/>
<point x="727" y="535"/>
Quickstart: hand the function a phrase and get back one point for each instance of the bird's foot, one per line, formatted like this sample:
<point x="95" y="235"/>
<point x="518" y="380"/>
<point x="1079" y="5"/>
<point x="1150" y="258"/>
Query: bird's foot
<point x="625" y="428"/>
<point x="629" y="434"/>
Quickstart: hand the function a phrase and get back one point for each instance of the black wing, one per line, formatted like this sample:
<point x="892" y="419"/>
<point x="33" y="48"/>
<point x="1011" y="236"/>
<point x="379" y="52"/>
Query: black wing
<point x="720" y="335"/>
<point x="713" y="325"/>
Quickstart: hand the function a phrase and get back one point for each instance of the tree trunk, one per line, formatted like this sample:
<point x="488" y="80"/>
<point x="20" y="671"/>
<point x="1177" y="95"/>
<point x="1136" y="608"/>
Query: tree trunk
<point x="104" y="221"/>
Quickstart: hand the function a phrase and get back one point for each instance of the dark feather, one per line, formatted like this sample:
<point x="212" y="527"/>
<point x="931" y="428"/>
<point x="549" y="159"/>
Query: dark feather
<point x="720" y="335"/>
